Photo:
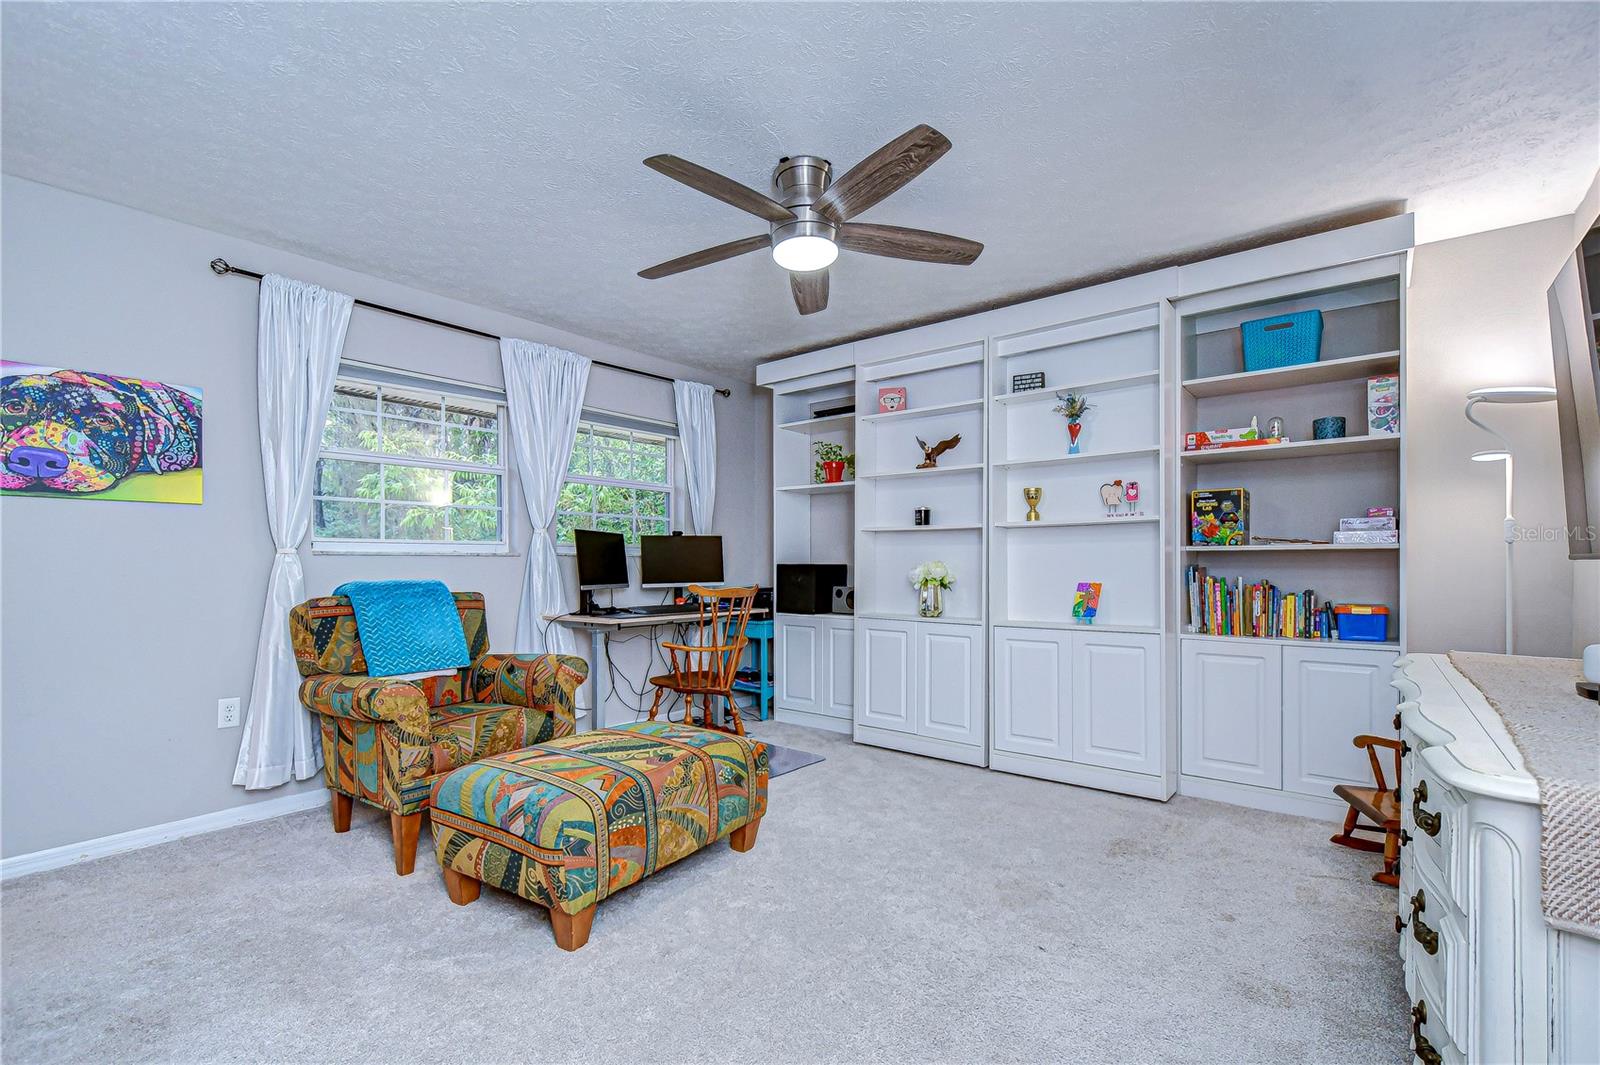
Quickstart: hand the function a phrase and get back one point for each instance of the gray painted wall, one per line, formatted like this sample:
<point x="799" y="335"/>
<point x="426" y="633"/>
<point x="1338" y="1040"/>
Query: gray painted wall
<point x="123" y="623"/>
<point x="1478" y="316"/>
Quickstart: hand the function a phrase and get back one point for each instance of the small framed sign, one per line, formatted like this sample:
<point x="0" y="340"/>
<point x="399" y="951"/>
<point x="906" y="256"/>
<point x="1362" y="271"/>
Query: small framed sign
<point x="891" y="400"/>
<point x="1027" y="382"/>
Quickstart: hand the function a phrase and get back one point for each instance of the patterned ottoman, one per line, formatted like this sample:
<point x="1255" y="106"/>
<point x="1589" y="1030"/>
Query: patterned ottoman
<point x="546" y="821"/>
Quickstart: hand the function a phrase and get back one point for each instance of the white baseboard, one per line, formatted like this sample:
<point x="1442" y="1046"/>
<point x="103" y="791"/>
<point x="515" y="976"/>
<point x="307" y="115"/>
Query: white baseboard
<point x="72" y="853"/>
<point x="1281" y="802"/>
<point x="827" y="722"/>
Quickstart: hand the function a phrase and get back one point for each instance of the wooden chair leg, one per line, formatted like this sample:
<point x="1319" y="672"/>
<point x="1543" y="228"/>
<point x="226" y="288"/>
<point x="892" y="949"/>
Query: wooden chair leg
<point x="462" y="888"/>
<point x="404" y="828"/>
<point x="655" y="706"/>
<point x="733" y="711"/>
<point x="743" y="838"/>
<point x="1391" y="860"/>
<point x="571" y="929"/>
<point x="341" y="805"/>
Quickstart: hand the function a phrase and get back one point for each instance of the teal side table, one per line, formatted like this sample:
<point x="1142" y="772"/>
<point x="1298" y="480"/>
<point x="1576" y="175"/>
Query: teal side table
<point x="759" y="634"/>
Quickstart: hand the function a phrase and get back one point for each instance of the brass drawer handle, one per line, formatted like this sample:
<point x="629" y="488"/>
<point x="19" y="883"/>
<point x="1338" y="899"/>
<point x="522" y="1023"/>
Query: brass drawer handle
<point x="1424" y="1049"/>
<point x="1428" y="822"/>
<point x="1419" y="931"/>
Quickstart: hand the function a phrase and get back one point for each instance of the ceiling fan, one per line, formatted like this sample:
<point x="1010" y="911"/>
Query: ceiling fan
<point x="810" y="219"/>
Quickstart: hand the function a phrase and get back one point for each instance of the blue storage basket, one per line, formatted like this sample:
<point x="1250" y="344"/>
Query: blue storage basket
<point x="1283" y="340"/>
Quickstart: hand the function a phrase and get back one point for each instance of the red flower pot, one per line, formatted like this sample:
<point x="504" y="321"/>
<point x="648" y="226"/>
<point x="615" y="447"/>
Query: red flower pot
<point x="832" y="472"/>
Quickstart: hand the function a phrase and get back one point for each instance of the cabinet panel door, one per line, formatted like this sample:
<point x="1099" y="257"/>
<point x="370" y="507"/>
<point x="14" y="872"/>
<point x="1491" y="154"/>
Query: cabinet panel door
<point x="950" y="683"/>
<point x="799" y="664"/>
<point x="839" y="687"/>
<point x="1232" y="712"/>
<point x="1331" y="695"/>
<point x="1116" y="701"/>
<point x="886" y="660"/>
<point x="1032" y="692"/>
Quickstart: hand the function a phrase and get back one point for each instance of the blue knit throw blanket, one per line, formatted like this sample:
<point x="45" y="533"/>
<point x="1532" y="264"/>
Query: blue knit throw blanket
<point x="406" y="626"/>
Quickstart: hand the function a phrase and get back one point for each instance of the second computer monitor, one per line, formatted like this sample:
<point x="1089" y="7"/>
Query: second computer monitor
<point x="602" y="559"/>
<point x="674" y="561"/>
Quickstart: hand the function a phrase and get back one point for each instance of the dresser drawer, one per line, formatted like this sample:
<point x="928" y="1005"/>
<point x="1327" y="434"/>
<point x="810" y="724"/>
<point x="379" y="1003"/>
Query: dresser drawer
<point x="1436" y="950"/>
<point x="1431" y="813"/>
<point x="1428" y="1037"/>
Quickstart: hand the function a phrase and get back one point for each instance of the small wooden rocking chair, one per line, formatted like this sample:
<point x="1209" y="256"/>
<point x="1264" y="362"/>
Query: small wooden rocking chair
<point x="709" y="666"/>
<point x="1379" y="805"/>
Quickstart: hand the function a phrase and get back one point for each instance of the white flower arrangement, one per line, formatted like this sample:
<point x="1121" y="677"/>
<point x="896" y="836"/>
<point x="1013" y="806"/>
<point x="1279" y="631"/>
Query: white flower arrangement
<point x="931" y="575"/>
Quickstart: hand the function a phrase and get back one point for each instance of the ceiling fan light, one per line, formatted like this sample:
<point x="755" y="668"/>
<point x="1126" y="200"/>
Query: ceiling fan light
<point x="803" y="254"/>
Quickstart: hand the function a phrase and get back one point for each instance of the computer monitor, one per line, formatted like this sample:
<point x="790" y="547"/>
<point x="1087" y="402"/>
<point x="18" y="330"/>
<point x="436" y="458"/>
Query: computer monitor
<point x="602" y="560"/>
<point x="673" y="561"/>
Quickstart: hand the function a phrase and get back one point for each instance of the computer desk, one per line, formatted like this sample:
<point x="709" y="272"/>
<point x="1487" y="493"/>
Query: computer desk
<point x="598" y="626"/>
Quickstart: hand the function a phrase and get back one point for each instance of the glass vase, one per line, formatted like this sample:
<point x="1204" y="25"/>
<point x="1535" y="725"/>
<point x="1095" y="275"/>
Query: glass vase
<point x="930" y="601"/>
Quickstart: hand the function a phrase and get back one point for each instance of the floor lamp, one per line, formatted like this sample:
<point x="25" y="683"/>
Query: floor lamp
<point x="1506" y="394"/>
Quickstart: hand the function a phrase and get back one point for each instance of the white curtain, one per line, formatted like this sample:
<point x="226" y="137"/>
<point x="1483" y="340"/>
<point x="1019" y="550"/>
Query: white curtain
<point x="544" y="398"/>
<point x="697" y="432"/>
<point x="299" y="334"/>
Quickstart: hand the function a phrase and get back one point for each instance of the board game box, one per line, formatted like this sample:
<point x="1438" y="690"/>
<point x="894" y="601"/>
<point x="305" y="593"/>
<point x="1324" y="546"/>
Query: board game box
<point x="1219" y="516"/>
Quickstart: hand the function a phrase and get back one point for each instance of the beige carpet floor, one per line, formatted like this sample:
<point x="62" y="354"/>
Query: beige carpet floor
<point x="894" y="909"/>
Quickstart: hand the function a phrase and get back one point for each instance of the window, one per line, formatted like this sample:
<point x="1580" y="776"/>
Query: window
<point x="619" y="480"/>
<point x="410" y="469"/>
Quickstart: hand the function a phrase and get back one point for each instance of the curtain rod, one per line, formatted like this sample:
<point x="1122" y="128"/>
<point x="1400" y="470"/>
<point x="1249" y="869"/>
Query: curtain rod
<point x="221" y="267"/>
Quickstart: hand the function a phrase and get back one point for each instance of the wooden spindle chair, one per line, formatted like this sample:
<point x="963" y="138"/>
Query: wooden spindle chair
<point x="1379" y="805"/>
<point x="708" y="667"/>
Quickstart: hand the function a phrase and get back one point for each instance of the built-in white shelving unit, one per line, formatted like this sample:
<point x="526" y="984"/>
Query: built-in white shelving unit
<point x="813" y="521"/>
<point x="1135" y="702"/>
<point x="920" y="681"/>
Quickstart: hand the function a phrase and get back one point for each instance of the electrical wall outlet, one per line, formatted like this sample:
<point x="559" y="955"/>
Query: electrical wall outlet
<point x="228" y="712"/>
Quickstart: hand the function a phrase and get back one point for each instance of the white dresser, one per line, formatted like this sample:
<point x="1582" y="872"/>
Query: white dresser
<point x="1488" y="979"/>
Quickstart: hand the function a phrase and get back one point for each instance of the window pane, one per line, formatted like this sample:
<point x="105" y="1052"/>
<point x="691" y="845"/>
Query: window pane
<point x="411" y="438"/>
<point x="576" y="496"/>
<point x="416" y="484"/>
<point x="613" y="456"/>
<point x="457" y="412"/>
<point x="475" y="489"/>
<point x="653" y="526"/>
<point x="411" y="405"/>
<point x="472" y="445"/>
<point x="346" y="477"/>
<point x="650" y="462"/>
<point x="480" y="526"/>
<point x="580" y="456"/>
<point x="651" y="503"/>
<point x="344" y="521"/>
<point x="610" y="499"/>
<point x="360" y="397"/>
<point x="565" y="523"/>
<point x="347" y="431"/>
<point x="408" y="521"/>
<point x="612" y="523"/>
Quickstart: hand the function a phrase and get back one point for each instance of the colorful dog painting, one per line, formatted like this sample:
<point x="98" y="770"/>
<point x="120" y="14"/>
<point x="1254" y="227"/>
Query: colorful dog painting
<point x="81" y="434"/>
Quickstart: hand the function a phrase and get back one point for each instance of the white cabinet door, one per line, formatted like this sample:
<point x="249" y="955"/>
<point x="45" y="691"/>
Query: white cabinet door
<point x="838" y="674"/>
<point x="950" y="683"/>
<point x="1116" y="701"/>
<point x="800" y="651"/>
<point x="1032" y="692"/>
<point x="1331" y="695"/>
<point x="1232" y="712"/>
<point x="886" y="672"/>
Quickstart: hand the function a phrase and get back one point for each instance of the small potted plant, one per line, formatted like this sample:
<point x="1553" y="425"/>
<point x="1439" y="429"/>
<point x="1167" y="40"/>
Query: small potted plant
<point x="931" y="579"/>
<point x="832" y="461"/>
<point x="1073" y="406"/>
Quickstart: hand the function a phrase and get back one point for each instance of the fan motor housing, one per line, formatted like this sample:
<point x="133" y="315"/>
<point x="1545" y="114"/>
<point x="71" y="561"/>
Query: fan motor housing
<point x="799" y="181"/>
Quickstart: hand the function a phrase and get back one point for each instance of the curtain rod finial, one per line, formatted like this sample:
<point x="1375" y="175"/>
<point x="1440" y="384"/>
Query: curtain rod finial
<point x="220" y="267"/>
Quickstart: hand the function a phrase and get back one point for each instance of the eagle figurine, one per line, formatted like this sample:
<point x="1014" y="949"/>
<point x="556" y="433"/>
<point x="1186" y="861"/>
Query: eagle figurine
<point x="930" y="455"/>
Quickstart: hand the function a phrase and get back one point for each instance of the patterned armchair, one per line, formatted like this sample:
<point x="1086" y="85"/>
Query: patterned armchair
<point x="384" y="740"/>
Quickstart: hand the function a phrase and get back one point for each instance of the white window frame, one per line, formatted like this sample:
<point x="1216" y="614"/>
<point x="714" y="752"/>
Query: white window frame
<point x="623" y="423"/>
<point x="399" y="381"/>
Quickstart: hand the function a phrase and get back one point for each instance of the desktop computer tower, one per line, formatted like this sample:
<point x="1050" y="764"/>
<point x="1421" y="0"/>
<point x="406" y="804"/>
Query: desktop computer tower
<point x="807" y="587"/>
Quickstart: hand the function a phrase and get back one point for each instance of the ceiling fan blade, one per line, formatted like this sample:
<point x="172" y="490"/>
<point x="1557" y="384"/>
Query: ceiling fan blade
<point x="725" y="189"/>
<point x="707" y="256"/>
<point x="881" y="173"/>
<point x="897" y="242"/>
<point x="810" y="290"/>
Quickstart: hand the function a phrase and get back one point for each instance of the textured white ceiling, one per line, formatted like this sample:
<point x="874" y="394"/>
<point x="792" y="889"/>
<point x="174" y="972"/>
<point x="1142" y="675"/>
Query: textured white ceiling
<point x="492" y="152"/>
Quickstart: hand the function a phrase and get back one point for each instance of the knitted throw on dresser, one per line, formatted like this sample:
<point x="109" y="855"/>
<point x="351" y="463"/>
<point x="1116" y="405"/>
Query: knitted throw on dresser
<point x="1558" y="732"/>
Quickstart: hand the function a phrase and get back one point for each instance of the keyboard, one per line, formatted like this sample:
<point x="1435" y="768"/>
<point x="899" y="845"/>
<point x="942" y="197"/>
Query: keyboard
<point x="648" y="611"/>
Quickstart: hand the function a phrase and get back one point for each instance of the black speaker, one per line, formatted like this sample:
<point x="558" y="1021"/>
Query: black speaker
<point x="807" y="587"/>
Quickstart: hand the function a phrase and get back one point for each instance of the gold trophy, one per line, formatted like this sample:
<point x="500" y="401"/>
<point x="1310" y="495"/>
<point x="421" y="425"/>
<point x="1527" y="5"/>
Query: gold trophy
<point x="1031" y="495"/>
